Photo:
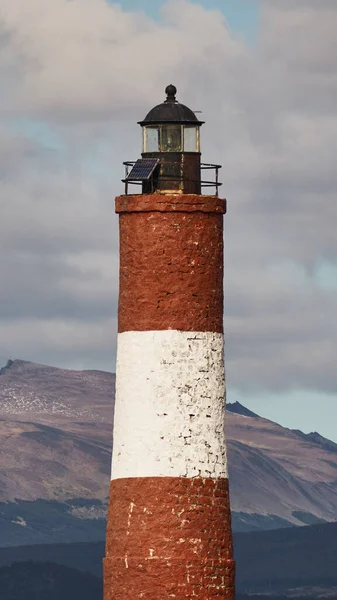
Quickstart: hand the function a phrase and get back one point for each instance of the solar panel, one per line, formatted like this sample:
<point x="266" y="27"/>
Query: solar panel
<point x="143" y="169"/>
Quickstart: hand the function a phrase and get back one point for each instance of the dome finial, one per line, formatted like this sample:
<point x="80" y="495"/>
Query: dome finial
<point x="171" y="91"/>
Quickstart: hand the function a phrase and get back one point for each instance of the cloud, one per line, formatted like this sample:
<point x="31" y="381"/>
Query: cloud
<point x="89" y="71"/>
<point x="87" y="59"/>
<point x="61" y="341"/>
<point x="14" y="149"/>
<point x="282" y="332"/>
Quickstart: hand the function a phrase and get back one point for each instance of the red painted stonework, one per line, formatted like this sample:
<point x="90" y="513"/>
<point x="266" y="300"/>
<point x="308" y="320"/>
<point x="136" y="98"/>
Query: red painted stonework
<point x="170" y="203"/>
<point x="171" y="263"/>
<point x="169" y="538"/>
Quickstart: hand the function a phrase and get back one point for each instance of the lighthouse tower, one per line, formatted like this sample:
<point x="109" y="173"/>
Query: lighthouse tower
<point x="169" y="526"/>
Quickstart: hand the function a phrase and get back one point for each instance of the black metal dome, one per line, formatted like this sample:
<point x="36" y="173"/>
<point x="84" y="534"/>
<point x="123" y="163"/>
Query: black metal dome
<point x="171" y="111"/>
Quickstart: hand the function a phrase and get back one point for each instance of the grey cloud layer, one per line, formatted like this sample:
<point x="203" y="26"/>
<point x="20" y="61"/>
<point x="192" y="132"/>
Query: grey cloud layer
<point x="271" y="120"/>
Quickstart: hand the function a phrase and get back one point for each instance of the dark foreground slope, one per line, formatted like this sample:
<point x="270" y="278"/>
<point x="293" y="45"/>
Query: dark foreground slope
<point x="38" y="581"/>
<point x="86" y="557"/>
<point x="292" y="562"/>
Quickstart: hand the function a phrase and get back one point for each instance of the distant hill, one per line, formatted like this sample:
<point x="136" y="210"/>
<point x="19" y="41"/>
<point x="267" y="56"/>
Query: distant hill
<point x="44" y="521"/>
<point x="299" y="561"/>
<point x="38" y="581"/>
<point x="296" y="561"/>
<point x="84" y="556"/>
<point x="56" y="438"/>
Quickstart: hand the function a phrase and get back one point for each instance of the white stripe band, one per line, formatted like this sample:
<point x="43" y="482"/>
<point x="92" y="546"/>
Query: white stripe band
<point x="170" y="405"/>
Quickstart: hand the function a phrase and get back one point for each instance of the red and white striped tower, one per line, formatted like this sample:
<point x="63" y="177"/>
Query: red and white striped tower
<point x="169" y="526"/>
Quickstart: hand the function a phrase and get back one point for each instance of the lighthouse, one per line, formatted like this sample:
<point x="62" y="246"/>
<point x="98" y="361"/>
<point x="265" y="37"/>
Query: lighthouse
<point x="169" y="526"/>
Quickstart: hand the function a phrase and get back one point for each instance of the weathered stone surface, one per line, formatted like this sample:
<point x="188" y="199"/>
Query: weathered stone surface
<point x="170" y="202"/>
<point x="169" y="537"/>
<point x="171" y="271"/>
<point x="169" y="527"/>
<point x="160" y="579"/>
<point x="170" y="405"/>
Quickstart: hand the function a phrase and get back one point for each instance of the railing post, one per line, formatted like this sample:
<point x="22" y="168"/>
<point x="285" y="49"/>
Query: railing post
<point x="126" y="179"/>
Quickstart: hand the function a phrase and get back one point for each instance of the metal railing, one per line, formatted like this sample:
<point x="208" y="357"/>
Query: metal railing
<point x="174" y="178"/>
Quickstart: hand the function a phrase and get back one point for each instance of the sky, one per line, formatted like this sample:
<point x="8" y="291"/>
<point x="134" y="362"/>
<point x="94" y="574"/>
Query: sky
<point x="76" y="76"/>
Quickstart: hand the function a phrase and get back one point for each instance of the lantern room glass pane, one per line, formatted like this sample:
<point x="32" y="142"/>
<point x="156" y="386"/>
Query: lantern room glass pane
<point x="171" y="138"/>
<point x="191" y="139"/>
<point x="151" y="139"/>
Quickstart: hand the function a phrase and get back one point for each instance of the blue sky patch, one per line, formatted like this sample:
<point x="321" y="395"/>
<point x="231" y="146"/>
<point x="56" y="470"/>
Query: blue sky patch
<point x="38" y="131"/>
<point x="241" y="15"/>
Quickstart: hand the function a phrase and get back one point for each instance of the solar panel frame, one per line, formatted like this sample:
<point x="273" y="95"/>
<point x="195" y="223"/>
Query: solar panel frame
<point x="142" y="169"/>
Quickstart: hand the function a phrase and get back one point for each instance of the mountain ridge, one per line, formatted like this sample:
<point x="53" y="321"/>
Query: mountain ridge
<point x="54" y="421"/>
<point x="239" y="409"/>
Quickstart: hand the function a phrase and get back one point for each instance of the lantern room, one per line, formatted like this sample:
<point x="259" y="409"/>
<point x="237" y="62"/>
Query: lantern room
<point x="171" y="157"/>
<point x="171" y="127"/>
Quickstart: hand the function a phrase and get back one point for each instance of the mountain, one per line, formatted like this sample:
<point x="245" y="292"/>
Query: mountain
<point x="239" y="409"/>
<point x="47" y="461"/>
<point x="279" y="477"/>
<point x="299" y="561"/>
<point x="319" y="440"/>
<point x="55" y="454"/>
